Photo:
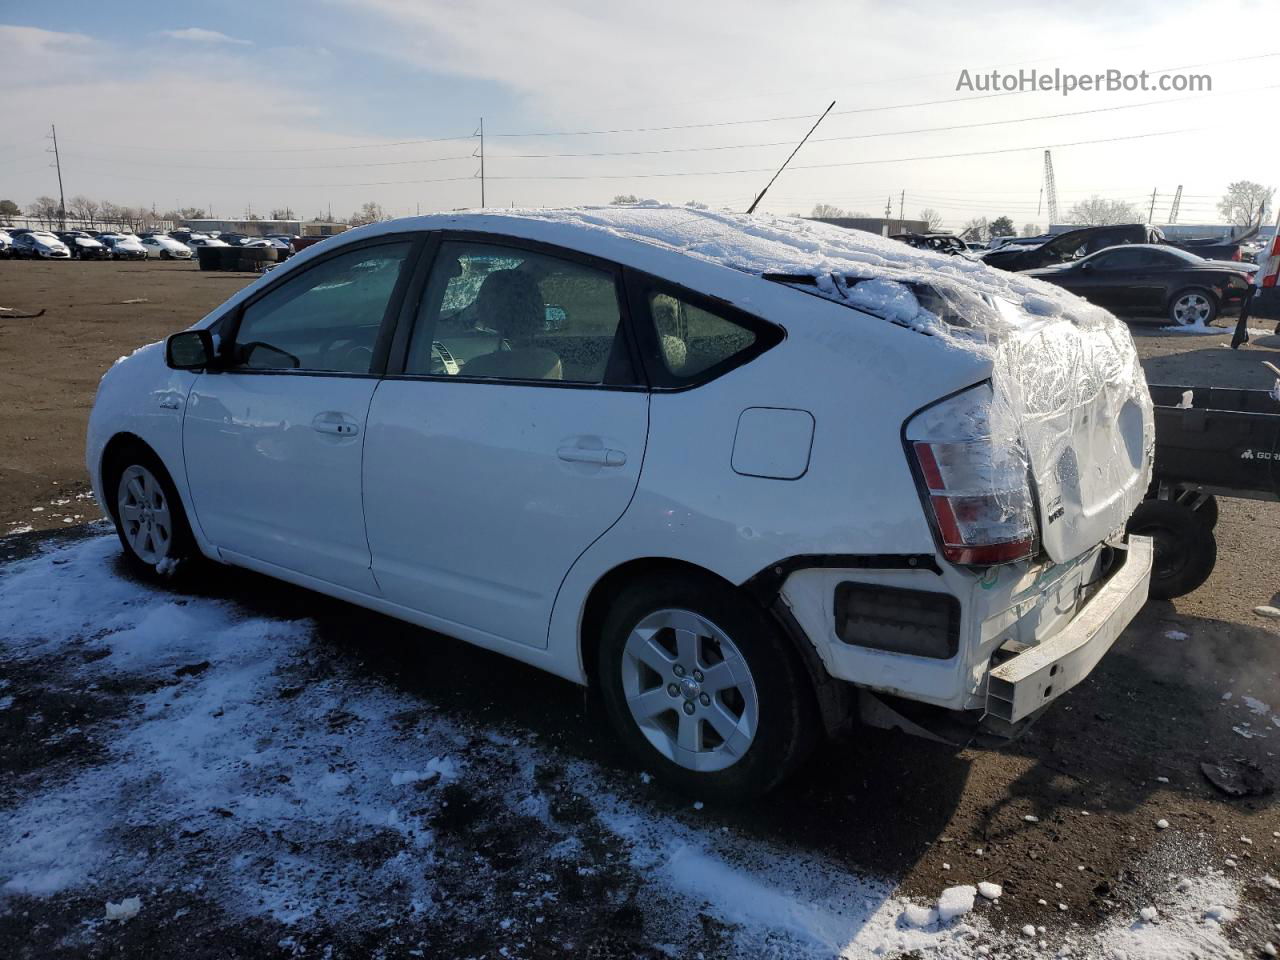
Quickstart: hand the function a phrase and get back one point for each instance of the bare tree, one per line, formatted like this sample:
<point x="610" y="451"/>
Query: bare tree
<point x="368" y="213"/>
<point x="932" y="219"/>
<point x="622" y="198"/>
<point x="184" y="213"/>
<point x="977" y="229"/>
<point x="1099" y="212"/>
<point x="46" y="208"/>
<point x="1030" y="229"/>
<point x="1246" y="202"/>
<point x="83" y="207"/>
<point x="827" y="211"/>
<point x="281" y="213"/>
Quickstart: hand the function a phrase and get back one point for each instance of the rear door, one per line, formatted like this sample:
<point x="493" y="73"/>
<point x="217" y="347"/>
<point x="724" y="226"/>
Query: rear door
<point x="273" y="442"/>
<point x="508" y="436"/>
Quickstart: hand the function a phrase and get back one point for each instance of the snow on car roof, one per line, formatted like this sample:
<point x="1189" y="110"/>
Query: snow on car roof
<point x="764" y="244"/>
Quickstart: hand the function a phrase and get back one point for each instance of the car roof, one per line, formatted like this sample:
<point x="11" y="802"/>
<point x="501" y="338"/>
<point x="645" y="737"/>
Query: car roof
<point x="705" y="249"/>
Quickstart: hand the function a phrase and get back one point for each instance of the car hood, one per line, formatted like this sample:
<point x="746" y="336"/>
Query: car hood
<point x="87" y="242"/>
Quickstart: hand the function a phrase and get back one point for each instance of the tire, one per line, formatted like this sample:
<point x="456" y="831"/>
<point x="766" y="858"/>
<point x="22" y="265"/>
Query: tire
<point x="149" y="517"/>
<point x="1185" y="548"/>
<point x="1193" y="306"/>
<point x="165" y="255"/>
<point x="746" y="735"/>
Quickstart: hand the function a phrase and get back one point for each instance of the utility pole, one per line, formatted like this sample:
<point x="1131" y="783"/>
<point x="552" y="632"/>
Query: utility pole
<point x="902" y="220"/>
<point x="1152" y="212"/>
<point x="1177" y="202"/>
<point x="888" y="208"/>
<point x="480" y="134"/>
<point x="1040" y="202"/>
<point x="57" y="162"/>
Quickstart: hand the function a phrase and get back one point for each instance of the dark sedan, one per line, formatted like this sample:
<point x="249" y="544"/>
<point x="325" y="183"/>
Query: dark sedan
<point x="1150" y="279"/>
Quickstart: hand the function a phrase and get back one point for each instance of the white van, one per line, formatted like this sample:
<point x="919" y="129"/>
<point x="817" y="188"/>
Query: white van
<point x="752" y="478"/>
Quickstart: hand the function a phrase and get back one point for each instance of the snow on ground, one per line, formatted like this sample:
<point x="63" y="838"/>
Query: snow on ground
<point x="244" y="770"/>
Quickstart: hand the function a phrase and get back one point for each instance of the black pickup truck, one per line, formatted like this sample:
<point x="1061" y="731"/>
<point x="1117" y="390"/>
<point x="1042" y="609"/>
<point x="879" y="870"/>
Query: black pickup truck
<point x="1080" y="243"/>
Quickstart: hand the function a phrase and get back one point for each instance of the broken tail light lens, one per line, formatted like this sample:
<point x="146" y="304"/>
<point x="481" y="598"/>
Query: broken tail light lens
<point x="976" y="480"/>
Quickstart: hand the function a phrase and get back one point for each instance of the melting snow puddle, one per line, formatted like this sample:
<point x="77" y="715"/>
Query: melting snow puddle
<point x="240" y="774"/>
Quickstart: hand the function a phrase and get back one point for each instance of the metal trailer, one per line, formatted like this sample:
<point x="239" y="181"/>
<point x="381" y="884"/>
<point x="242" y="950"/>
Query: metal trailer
<point x="1210" y="442"/>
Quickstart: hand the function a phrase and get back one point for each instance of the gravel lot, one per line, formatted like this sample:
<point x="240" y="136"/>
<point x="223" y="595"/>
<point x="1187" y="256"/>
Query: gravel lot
<point x="273" y="773"/>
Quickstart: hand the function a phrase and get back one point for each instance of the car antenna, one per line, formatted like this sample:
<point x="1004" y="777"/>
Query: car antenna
<point x="756" y="201"/>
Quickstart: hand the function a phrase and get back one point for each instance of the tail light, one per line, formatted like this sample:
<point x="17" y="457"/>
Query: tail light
<point x="1237" y="254"/>
<point x="1270" y="268"/>
<point x="976" y="480"/>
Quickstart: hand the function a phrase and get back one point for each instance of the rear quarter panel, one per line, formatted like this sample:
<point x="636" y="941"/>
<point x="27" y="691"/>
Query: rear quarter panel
<point x="859" y="376"/>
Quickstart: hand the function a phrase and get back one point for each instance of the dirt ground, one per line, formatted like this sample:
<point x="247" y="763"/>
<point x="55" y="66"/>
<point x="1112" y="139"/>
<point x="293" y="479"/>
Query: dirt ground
<point x="1063" y="815"/>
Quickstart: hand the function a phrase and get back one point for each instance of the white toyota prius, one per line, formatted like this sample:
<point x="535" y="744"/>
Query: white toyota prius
<point x="753" y="479"/>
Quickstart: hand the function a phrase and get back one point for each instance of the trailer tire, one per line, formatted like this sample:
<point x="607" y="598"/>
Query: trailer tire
<point x="1185" y="548"/>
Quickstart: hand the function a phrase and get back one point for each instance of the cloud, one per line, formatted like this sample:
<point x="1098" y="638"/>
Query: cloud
<point x="201" y="35"/>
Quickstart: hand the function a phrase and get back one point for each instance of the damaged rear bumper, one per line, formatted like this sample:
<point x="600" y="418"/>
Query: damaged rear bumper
<point x="1022" y="686"/>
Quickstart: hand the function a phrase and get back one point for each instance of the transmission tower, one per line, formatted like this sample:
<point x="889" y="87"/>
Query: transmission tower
<point x="1050" y="188"/>
<point x="1177" y="202"/>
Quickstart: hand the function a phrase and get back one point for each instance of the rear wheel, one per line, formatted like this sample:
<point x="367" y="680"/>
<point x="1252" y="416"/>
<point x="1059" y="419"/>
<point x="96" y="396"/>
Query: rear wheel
<point x="148" y="513"/>
<point x="1203" y="505"/>
<point x="1185" y="548"/>
<point x="1193" y="307"/>
<point x="703" y="689"/>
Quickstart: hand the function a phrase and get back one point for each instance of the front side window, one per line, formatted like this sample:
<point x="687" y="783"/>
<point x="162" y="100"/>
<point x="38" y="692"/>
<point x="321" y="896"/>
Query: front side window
<point x="505" y="313"/>
<point x="691" y="339"/>
<point x="327" y="318"/>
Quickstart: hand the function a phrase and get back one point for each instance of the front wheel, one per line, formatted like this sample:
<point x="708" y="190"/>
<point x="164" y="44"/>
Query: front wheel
<point x="703" y="688"/>
<point x="1194" y="307"/>
<point x="149" y="517"/>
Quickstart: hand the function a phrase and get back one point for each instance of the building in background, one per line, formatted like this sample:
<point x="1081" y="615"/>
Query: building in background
<point x="879" y="225"/>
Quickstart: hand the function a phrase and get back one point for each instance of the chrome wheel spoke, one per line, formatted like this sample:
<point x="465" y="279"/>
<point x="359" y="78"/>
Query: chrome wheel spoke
<point x="651" y="703"/>
<point x="702" y="716"/>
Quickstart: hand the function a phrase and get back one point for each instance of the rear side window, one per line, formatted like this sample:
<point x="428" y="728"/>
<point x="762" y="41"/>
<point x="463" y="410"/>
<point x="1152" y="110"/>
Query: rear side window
<point x="688" y="339"/>
<point x="692" y="340"/>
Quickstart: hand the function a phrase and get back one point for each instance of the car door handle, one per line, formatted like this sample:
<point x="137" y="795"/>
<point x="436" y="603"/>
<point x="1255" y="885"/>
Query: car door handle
<point x="605" y="458"/>
<point x="338" y="424"/>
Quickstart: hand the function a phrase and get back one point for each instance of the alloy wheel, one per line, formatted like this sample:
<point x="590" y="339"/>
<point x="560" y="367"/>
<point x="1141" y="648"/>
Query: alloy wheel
<point x="690" y="690"/>
<point x="144" y="514"/>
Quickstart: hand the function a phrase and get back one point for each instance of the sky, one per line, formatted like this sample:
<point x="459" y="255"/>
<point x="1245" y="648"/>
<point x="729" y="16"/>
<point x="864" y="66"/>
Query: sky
<point x="322" y="106"/>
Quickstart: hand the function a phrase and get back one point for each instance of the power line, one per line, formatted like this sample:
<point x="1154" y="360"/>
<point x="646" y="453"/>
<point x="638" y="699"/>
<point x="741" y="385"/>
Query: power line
<point x="259" y="167"/>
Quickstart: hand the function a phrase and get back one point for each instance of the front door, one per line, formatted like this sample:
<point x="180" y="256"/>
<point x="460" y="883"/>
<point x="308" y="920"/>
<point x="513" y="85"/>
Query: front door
<point x="273" y="441"/>
<point x="512" y="440"/>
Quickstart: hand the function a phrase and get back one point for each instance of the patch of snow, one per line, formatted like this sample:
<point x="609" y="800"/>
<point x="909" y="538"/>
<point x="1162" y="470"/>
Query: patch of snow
<point x="1256" y="706"/>
<point x="991" y="891"/>
<point x="956" y="901"/>
<point x="1175" y="635"/>
<point x="126" y="909"/>
<point x="1162" y="824"/>
<point x="1029" y="930"/>
<point x="1149" y="914"/>
<point x="1193" y="329"/>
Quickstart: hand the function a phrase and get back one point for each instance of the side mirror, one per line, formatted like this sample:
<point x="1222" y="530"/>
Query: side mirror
<point x="189" y="350"/>
<point x="1086" y="266"/>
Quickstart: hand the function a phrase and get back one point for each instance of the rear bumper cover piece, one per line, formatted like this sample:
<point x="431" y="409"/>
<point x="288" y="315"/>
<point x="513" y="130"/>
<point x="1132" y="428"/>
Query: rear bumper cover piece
<point x="1026" y="683"/>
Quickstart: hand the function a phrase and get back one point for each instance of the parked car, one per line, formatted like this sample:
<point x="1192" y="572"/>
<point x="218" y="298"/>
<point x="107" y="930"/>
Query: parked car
<point x="124" y="247"/>
<point x="82" y="245"/>
<point x="6" y="244"/>
<point x="197" y="241"/>
<point x="947" y="243"/>
<point x="165" y="248"/>
<point x="1146" y="279"/>
<point x="745" y="502"/>
<point x="234" y="239"/>
<point x="1075" y="244"/>
<point x="1264" y="304"/>
<point x="40" y="245"/>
